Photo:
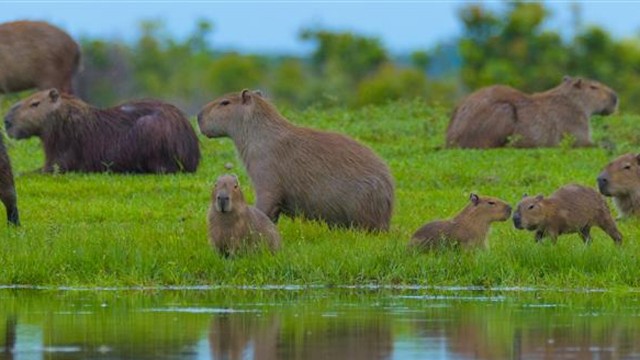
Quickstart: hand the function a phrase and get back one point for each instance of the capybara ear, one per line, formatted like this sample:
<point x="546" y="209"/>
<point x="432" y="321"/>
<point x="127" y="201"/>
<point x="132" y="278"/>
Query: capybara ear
<point x="524" y="195"/>
<point x="566" y="78"/>
<point x="235" y="177"/>
<point x="259" y="93"/>
<point x="539" y="197"/>
<point x="54" y="95"/>
<point x="475" y="199"/>
<point x="577" y="84"/>
<point x="246" y="96"/>
<point x="638" y="158"/>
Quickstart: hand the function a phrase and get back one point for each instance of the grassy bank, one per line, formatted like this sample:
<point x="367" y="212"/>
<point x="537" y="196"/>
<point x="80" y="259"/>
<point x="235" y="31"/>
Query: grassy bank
<point x="150" y="230"/>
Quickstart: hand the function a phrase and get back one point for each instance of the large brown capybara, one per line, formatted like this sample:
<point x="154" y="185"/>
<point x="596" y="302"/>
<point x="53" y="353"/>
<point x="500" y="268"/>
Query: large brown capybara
<point x="620" y="179"/>
<point x="7" y="187"/>
<point x="299" y="171"/>
<point x="36" y="55"/>
<point x="233" y="225"/>
<point x="570" y="209"/>
<point x="468" y="229"/>
<point x="135" y="137"/>
<point x="499" y="115"/>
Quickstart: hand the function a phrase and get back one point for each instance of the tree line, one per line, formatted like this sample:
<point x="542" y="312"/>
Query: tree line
<point x="508" y="46"/>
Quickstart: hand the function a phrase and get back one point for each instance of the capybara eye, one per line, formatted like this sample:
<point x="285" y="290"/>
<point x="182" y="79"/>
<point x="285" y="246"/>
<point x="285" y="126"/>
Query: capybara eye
<point x="35" y="104"/>
<point x="531" y="206"/>
<point x="593" y="87"/>
<point x="225" y="102"/>
<point x="491" y="202"/>
<point x="627" y="167"/>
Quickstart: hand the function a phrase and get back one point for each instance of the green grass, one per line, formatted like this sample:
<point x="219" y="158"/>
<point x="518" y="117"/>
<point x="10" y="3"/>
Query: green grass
<point x="122" y="230"/>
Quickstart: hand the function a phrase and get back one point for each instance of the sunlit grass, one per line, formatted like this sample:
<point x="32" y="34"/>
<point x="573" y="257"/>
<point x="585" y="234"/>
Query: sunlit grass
<point x="105" y="229"/>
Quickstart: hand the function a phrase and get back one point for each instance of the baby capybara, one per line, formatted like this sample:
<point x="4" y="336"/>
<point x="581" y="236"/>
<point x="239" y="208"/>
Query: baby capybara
<point x="233" y="225"/>
<point x="620" y="179"/>
<point x="7" y="187"/>
<point x="499" y="115"/>
<point x="570" y="209"/>
<point x="35" y="54"/>
<point x="469" y="228"/>
<point x="299" y="171"/>
<point x="136" y="137"/>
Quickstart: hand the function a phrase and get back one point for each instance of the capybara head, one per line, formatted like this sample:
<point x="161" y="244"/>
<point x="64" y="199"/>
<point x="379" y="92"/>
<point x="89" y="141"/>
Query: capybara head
<point x="489" y="208"/>
<point x="621" y="176"/>
<point x="28" y="117"/>
<point x="595" y="97"/>
<point x="227" y="194"/>
<point x="217" y="117"/>
<point x="529" y="213"/>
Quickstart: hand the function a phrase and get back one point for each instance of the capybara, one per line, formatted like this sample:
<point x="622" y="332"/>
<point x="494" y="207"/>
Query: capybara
<point x="36" y="55"/>
<point x="620" y="179"/>
<point x="570" y="209"/>
<point x="233" y="225"/>
<point x="299" y="171"/>
<point x="7" y="187"/>
<point x="144" y="136"/>
<point x="499" y="115"/>
<point x="469" y="228"/>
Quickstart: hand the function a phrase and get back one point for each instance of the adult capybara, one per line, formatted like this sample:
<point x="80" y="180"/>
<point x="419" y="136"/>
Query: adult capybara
<point x="7" y="187"/>
<point x="469" y="228"/>
<point x="36" y="55"/>
<point x="138" y="137"/>
<point x="233" y="225"/>
<point x="499" y="115"/>
<point x="620" y="179"/>
<point x="570" y="209"/>
<point x="299" y="171"/>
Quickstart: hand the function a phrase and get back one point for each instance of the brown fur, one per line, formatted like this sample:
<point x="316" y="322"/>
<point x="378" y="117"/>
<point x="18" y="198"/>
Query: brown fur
<point x="499" y="115"/>
<point x="570" y="209"/>
<point x="233" y="224"/>
<point x="620" y="179"/>
<point x="7" y="187"/>
<point x="141" y="136"/>
<point x="36" y="55"/>
<point x="469" y="228"/>
<point x="299" y="171"/>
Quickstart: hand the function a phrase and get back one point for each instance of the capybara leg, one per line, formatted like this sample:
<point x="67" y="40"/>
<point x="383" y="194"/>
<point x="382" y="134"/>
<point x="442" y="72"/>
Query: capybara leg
<point x="609" y="226"/>
<point x="585" y="233"/>
<point x="539" y="236"/>
<point x="8" y="198"/>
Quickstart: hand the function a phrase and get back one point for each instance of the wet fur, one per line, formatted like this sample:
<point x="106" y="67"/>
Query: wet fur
<point x="36" y="55"/>
<point x="299" y="171"/>
<point x="469" y="228"/>
<point x="243" y="226"/>
<point x="570" y="209"/>
<point x="7" y="186"/>
<point x="137" y="137"/>
<point x="499" y="115"/>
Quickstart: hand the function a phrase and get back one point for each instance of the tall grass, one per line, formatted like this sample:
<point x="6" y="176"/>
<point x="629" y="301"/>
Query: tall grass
<point x="107" y="229"/>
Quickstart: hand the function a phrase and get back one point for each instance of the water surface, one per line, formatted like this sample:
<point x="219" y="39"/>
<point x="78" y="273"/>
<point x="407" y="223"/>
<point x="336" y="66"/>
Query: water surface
<point x="299" y="323"/>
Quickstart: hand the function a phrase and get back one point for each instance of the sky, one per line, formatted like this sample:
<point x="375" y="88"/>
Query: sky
<point x="273" y="26"/>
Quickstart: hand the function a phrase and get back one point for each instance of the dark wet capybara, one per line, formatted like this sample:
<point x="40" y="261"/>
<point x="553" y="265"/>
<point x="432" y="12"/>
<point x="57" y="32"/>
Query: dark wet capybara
<point x="145" y="136"/>
<point x="233" y="225"/>
<point x="35" y="54"/>
<point x="499" y="115"/>
<point x="469" y="228"/>
<point x="620" y="180"/>
<point x="299" y="171"/>
<point x="570" y="209"/>
<point x="7" y="186"/>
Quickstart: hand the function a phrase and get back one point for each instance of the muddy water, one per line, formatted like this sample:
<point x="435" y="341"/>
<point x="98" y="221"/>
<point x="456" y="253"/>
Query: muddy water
<point x="297" y="323"/>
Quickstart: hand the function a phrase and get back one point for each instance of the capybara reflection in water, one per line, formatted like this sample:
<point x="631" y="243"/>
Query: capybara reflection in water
<point x="468" y="229"/>
<point x="7" y="186"/>
<point x="36" y="55"/>
<point x="299" y="171"/>
<point x="233" y="225"/>
<point x="570" y="209"/>
<point x="139" y="137"/>
<point x="620" y="179"/>
<point x="499" y="115"/>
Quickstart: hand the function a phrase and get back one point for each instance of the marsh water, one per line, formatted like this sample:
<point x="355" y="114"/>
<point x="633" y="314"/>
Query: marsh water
<point x="308" y="323"/>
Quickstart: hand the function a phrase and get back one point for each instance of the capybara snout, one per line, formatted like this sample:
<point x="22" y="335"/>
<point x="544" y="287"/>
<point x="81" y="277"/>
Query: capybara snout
<point x="603" y="183"/>
<point x="517" y="220"/>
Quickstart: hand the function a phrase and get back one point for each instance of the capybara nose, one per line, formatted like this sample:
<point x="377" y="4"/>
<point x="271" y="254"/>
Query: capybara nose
<point x="8" y="121"/>
<point x="602" y="184"/>
<point x="199" y="118"/>
<point x="517" y="221"/>
<point x="614" y="98"/>
<point x="508" y="210"/>
<point x="223" y="202"/>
